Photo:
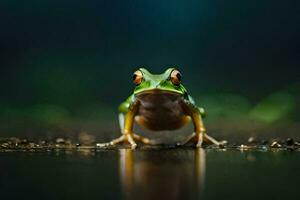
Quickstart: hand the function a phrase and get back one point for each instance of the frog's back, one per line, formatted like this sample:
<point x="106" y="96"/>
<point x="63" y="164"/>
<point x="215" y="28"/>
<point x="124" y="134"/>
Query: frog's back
<point x="161" y="111"/>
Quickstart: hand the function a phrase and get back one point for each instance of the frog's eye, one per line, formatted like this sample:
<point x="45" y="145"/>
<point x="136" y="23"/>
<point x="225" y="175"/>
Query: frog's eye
<point x="137" y="77"/>
<point x="175" y="77"/>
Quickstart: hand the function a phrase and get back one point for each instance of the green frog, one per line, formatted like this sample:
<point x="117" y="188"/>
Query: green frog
<point x="160" y="102"/>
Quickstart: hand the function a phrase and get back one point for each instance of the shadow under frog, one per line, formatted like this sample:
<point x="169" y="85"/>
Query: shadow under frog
<point x="171" y="174"/>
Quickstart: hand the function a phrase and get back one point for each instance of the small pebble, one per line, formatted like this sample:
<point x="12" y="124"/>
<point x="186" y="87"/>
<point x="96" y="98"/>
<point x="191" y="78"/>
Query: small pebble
<point x="264" y="148"/>
<point x="289" y="141"/>
<point x="243" y="146"/>
<point x="275" y="145"/>
<point x="31" y="145"/>
<point x="99" y="145"/>
<point x="24" y="141"/>
<point x="60" y="140"/>
<point x="78" y="144"/>
<point x="68" y="142"/>
<point x="43" y="142"/>
<point x="15" y="140"/>
<point x="251" y="140"/>
<point x="4" y="145"/>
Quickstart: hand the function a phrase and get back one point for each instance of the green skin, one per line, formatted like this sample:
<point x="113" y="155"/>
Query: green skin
<point x="186" y="106"/>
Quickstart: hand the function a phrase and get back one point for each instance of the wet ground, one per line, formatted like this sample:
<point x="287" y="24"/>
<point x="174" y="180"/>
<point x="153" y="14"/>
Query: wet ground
<point x="64" y="170"/>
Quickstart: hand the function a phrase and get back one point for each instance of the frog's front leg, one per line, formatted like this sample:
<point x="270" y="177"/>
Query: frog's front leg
<point x="126" y="121"/>
<point x="199" y="136"/>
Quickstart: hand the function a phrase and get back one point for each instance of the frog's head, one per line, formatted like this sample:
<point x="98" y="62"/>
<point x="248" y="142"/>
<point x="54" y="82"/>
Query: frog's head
<point x="169" y="81"/>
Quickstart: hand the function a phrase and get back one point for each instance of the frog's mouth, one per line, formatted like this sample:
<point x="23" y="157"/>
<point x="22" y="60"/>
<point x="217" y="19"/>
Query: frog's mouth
<point x="158" y="96"/>
<point x="159" y="92"/>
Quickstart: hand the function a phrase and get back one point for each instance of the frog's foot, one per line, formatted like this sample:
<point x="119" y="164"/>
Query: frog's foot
<point x="199" y="138"/>
<point x="124" y="138"/>
<point x="129" y="138"/>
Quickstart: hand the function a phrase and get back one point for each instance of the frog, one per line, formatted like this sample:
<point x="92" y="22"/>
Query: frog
<point x="160" y="102"/>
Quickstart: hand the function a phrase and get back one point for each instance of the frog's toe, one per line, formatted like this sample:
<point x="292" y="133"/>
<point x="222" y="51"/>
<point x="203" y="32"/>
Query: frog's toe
<point x="190" y="138"/>
<point x="142" y="139"/>
<point x="199" y="143"/>
<point x="210" y="140"/>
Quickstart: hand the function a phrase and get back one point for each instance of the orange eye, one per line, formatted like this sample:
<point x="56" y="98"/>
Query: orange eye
<point x="175" y="77"/>
<point x="137" y="77"/>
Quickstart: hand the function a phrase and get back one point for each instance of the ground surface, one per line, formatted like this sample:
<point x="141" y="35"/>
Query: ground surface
<point x="61" y="169"/>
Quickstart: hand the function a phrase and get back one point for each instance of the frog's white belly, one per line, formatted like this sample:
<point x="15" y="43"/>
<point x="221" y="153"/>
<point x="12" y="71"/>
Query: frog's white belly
<point x="161" y="111"/>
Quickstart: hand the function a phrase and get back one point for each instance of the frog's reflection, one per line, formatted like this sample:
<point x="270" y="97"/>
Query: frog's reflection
<point x="162" y="174"/>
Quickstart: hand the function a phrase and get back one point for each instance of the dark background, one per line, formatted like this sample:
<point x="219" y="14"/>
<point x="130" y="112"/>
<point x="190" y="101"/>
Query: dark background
<point x="66" y="65"/>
